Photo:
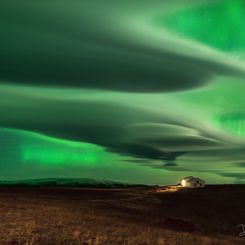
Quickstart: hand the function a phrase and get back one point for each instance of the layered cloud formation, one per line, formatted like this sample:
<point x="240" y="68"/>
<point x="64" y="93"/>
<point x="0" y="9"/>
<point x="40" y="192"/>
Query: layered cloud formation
<point x="98" y="72"/>
<point x="131" y="128"/>
<point x="108" y="45"/>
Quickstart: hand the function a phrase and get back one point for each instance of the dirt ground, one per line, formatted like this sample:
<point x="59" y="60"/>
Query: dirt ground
<point x="46" y="215"/>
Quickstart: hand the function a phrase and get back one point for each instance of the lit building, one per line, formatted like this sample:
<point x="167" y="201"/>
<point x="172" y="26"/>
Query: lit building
<point x="192" y="182"/>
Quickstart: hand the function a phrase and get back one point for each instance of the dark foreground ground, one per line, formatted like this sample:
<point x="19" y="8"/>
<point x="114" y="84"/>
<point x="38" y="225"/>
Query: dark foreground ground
<point x="45" y="215"/>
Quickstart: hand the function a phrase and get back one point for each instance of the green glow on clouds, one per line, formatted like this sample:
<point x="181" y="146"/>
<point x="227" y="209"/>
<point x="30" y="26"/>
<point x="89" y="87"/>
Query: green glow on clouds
<point x="217" y="23"/>
<point x="51" y="151"/>
<point x="196" y="123"/>
<point x="57" y="155"/>
<point x="223" y="103"/>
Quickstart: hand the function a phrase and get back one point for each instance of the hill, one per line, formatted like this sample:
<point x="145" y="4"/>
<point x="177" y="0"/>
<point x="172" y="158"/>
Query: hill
<point x="68" y="182"/>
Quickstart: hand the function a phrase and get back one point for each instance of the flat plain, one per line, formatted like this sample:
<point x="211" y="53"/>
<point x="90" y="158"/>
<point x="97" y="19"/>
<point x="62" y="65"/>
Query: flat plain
<point x="132" y="216"/>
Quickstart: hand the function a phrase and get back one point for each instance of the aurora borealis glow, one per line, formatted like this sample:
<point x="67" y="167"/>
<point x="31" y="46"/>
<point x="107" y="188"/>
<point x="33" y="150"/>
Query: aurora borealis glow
<point x="217" y="24"/>
<point x="142" y="91"/>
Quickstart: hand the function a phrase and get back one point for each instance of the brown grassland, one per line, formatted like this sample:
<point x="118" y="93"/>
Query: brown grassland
<point x="49" y="215"/>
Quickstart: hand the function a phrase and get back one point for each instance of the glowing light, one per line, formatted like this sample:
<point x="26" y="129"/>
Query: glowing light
<point x="223" y="21"/>
<point x="46" y="150"/>
<point x="183" y="183"/>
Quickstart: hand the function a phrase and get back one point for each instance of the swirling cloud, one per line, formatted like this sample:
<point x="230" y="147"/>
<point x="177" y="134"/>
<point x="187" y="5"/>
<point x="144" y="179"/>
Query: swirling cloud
<point x="59" y="59"/>
<point x="122" y="127"/>
<point x="107" y="45"/>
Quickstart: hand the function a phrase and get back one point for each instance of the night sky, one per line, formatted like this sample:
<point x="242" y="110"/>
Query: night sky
<point x="132" y="91"/>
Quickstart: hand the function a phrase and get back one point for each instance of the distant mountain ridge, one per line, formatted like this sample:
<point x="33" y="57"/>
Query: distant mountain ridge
<point x="69" y="182"/>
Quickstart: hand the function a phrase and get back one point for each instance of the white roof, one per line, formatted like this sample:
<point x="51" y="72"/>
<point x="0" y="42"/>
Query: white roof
<point x="191" y="178"/>
<point x="188" y="178"/>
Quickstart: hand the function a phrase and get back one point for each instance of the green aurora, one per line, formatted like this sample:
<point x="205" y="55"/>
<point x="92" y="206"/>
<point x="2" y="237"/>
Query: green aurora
<point x="143" y="92"/>
<point x="219" y="25"/>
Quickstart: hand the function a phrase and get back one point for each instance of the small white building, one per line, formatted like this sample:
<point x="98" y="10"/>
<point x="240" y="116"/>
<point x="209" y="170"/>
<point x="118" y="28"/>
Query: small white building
<point x="192" y="182"/>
